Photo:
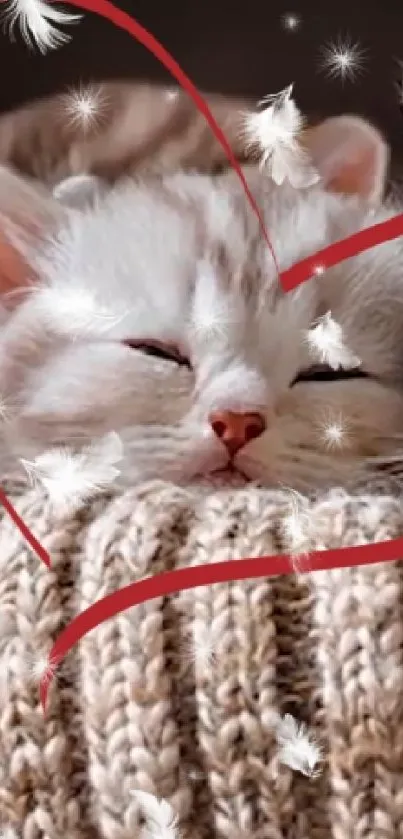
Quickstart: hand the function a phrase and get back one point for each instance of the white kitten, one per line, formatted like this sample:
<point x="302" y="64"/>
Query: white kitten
<point x="178" y="266"/>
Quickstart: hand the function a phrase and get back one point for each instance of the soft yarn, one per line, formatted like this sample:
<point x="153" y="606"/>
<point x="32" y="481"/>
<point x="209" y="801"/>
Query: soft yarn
<point x="135" y="706"/>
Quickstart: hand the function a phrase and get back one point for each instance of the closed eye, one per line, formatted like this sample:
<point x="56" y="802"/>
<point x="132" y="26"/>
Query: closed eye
<point x="159" y="350"/>
<point x="323" y="373"/>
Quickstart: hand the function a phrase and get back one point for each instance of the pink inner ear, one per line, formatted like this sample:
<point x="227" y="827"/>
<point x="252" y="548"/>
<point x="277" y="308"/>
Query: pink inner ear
<point x="14" y="271"/>
<point x="357" y="177"/>
<point x="350" y="155"/>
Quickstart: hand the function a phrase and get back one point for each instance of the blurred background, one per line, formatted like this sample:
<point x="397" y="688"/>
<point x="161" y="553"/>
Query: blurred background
<point x="343" y="57"/>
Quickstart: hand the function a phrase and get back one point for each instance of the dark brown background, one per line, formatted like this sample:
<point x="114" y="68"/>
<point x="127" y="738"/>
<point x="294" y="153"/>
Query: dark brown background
<point x="234" y="47"/>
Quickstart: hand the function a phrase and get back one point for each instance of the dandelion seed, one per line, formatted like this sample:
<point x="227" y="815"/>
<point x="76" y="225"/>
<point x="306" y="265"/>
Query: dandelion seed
<point x="35" y="19"/>
<point x="325" y="342"/>
<point x="343" y="59"/>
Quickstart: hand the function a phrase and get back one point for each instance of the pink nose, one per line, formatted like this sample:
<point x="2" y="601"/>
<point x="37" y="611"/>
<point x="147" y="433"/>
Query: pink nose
<point x="235" y="430"/>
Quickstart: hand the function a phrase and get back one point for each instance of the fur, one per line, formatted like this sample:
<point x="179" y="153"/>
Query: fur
<point x="137" y="128"/>
<point x="168" y="255"/>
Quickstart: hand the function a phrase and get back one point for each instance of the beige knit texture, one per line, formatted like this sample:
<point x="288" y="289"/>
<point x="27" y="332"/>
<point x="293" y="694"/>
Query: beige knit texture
<point x="134" y="707"/>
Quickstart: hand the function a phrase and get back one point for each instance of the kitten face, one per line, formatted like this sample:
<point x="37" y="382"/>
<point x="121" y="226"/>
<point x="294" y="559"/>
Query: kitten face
<point x="191" y="320"/>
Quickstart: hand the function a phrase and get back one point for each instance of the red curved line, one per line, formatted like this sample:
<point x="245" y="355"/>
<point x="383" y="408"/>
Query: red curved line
<point x="133" y="27"/>
<point x="384" y="231"/>
<point x="171" y="582"/>
<point x="303" y="270"/>
<point x="22" y="527"/>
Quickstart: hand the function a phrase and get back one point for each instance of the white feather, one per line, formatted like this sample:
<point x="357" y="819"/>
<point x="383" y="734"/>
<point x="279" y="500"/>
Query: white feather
<point x="72" y="479"/>
<point x="298" y="749"/>
<point x="274" y="132"/>
<point x="36" y="19"/>
<point x="292" y="164"/>
<point x="73" y="313"/>
<point x="295" y="525"/>
<point x="161" y="819"/>
<point x="326" y="343"/>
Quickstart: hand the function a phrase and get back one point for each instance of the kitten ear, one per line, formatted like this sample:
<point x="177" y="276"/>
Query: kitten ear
<point x="28" y="215"/>
<point x="350" y="155"/>
<point x="79" y="191"/>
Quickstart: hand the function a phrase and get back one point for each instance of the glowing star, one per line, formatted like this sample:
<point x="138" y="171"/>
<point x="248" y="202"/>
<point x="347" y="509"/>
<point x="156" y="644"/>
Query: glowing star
<point x="325" y="342"/>
<point x="200" y="648"/>
<point x="273" y="133"/>
<point x="215" y="323"/>
<point x="73" y="313"/>
<point x="161" y="819"/>
<point x="40" y="667"/>
<point x="83" y="107"/>
<point x="297" y="748"/>
<point x="70" y="479"/>
<point x="291" y="21"/>
<point x="212" y="316"/>
<point x="343" y="59"/>
<point x="334" y="432"/>
<point x="35" y="19"/>
<point x="171" y="95"/>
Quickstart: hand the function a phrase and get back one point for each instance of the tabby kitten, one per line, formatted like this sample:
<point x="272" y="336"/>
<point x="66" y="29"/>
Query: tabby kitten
<point x="204" y="364"/>
<point x="137" y="127"/>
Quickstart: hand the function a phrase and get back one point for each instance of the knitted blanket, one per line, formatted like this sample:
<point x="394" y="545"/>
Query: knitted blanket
<point x="177" y="696"/>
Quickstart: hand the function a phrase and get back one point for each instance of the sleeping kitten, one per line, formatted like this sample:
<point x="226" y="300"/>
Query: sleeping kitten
<point x="203" y="362"/>
<point x="136" y="127"/>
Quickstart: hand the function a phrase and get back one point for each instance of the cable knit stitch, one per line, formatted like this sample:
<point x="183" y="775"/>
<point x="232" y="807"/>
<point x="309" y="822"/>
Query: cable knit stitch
<point x="135" y="707"/>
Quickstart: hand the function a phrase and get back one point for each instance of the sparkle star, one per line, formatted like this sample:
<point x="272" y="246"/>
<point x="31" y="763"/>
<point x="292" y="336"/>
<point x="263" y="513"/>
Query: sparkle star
<point x="84" y="107"/>
<point x="334" y="432"/>
<point x="41" y="667"/>
<point x="291" y="21"/>
<point x="200" y="647"/>
<point x="342" y="59"/>
<point x="171" y="95"/>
